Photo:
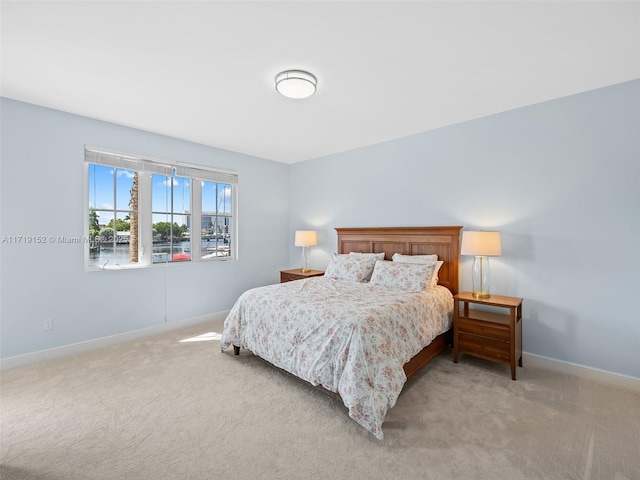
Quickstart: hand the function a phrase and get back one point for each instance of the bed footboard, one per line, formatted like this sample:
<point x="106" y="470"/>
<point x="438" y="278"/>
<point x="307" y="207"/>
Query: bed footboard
<point x="438" y="345"/>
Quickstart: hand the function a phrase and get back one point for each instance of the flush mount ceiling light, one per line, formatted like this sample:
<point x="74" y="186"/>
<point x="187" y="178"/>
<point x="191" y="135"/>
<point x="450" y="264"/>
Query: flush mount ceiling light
<point x="296" y="84"/>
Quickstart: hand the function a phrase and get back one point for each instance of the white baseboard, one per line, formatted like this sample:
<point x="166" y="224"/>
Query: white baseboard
<point x="589" y="373"/>
<point x="547" y="363"/>
<point x="74" y="348"/>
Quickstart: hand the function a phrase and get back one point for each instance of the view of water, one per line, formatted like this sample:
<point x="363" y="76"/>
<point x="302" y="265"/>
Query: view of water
<point x="161" y="252"/>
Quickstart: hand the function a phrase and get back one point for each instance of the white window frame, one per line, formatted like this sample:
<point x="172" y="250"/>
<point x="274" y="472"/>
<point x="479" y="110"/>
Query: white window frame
<point x="146" y="166"/>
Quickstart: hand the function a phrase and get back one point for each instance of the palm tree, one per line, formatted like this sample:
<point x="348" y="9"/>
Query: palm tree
<point x="94" y="231"/>
<point x="133" y="231"/>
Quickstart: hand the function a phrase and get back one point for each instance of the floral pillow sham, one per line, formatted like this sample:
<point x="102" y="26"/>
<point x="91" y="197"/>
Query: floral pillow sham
<point x="421" y="259"/>
<point x="352" y="268"/>
<point x="404" y="276"/>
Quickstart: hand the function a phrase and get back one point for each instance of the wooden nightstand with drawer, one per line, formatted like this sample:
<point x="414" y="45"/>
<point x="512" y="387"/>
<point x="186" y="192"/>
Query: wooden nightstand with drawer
<point x="298" y="274"/>
<point x="488" y="335"/>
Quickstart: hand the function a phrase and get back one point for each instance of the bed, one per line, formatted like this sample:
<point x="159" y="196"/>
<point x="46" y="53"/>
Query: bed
<point x="361" y="340"/>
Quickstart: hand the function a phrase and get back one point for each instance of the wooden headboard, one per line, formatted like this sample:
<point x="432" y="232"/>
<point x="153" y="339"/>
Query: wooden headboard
<point x="444" y="241"/>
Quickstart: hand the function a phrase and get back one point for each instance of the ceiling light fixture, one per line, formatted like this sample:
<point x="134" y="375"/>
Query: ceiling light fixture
<point x="296" y="84"/>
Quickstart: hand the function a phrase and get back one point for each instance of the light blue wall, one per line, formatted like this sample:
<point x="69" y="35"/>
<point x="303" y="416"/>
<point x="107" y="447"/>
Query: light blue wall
<point x="42" y="194"/>
<point x="560" y="180"/>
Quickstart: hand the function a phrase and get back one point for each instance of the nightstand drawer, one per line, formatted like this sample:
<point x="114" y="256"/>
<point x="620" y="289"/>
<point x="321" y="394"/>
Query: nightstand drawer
<point x="298" y="274"/>
<point x="484" y="347"/>
<point x="485" y="329"/>
<point x="289" y="277"/>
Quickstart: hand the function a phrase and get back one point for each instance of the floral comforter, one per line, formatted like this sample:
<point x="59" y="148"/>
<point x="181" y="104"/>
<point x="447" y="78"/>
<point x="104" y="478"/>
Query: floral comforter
<point x="350" y="338"/>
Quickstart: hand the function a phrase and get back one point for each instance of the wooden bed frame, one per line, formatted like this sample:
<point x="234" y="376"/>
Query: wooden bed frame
<point x="444" y="241"/>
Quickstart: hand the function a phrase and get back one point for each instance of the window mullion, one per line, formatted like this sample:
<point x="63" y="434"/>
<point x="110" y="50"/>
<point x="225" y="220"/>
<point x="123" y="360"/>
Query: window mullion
<point x="114" y="216"/>
<point x="145" y="221"/>
<point x="196" y="220"/>
<point x="87" y="211"/>
<point x="172" y="178"/>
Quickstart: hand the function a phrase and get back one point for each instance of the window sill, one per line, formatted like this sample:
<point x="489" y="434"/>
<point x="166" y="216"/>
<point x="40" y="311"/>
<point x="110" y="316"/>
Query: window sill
<point x="109" y="266"/>
<point x="135" y="266"/>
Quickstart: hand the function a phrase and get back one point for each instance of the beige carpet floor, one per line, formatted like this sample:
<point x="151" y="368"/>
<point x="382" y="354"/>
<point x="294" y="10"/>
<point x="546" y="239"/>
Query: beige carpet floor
<point x="162" y="408"/>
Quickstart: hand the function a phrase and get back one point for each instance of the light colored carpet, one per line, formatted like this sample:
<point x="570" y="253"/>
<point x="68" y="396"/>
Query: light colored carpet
<point x="164" y="409"/>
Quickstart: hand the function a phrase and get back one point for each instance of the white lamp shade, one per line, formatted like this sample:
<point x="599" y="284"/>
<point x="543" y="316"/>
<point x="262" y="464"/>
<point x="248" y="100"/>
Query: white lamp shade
<point x="481" y="244"/>
<point x="306" y="238"/>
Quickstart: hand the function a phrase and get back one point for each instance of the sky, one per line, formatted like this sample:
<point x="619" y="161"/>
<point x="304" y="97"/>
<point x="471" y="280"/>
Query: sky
<point x="101" y="194"/>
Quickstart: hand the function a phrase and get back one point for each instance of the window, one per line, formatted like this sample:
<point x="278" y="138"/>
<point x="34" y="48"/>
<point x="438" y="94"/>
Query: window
<point x="113" y="206"/>
<point x="170" y="200"/>
<point x="216" y="219"/>
<point x="143" y="212"/>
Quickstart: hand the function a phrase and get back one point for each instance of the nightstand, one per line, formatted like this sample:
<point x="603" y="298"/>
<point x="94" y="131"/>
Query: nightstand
<point x="488" y="335"/>
<point x="297" y="274"/>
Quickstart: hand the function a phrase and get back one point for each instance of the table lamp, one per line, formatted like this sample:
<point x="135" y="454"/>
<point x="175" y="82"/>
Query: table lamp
<point x="481" y="245"/>
<point x="305" y="239"/>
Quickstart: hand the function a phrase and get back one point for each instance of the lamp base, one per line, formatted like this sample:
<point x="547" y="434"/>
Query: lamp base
<point x="480" y="277"/>
<point x="481" y="294"/>
<point x="305" y="257"/>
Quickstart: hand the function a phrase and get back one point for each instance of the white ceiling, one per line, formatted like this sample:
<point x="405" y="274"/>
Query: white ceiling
<point x="203" y="71"/>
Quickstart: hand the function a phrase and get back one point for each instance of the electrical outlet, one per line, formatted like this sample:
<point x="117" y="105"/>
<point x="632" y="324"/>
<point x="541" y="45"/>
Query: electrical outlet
<point x="48" y="324"/>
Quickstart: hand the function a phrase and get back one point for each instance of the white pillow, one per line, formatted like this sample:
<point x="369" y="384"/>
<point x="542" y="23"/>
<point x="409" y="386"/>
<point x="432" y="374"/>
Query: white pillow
<point x="353" y="268"/>
<point x="398" y="257"/>
<point x="378" y="256"/>
<point x="421" y="259"/>
<point x="403" y="276"/>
